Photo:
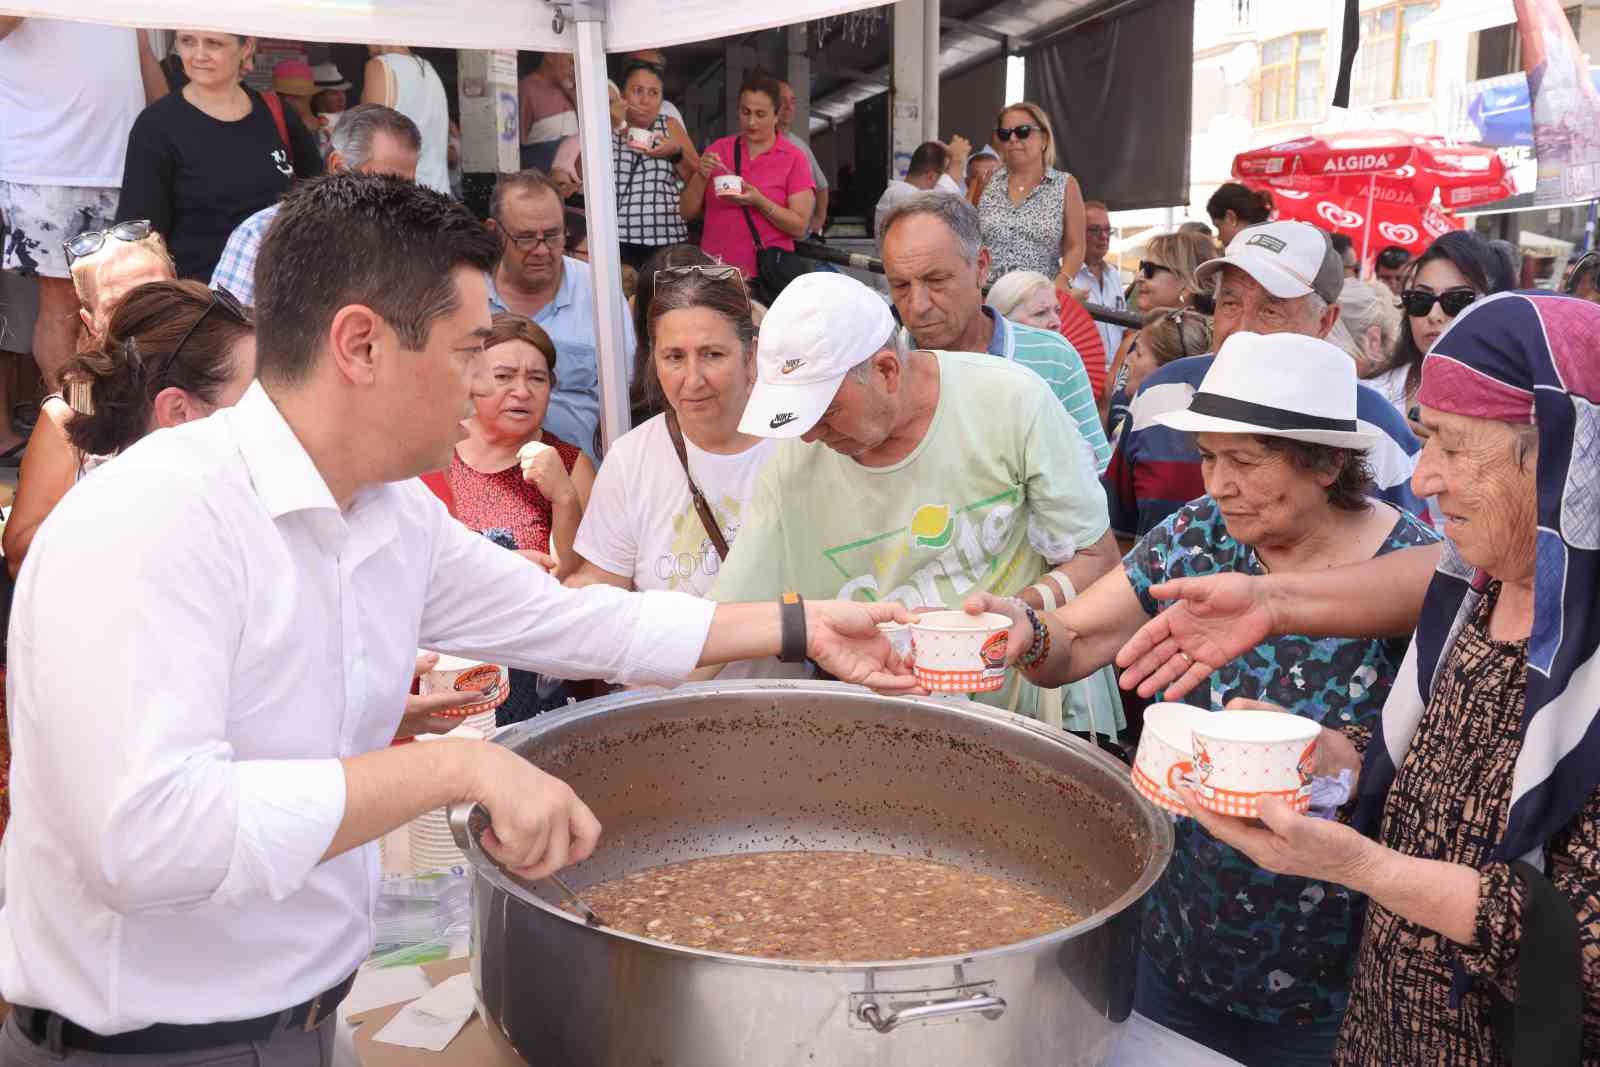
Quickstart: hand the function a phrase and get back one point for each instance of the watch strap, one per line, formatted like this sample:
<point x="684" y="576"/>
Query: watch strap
<point x="792" y="622"/>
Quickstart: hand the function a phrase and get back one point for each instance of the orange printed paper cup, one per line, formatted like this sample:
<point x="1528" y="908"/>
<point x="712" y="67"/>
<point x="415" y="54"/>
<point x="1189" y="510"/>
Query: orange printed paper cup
<point x="1242" y="756"/>
<point x="1165" y="759"/>
<point x="453" y="674"/>
<point x="960" y="653"/>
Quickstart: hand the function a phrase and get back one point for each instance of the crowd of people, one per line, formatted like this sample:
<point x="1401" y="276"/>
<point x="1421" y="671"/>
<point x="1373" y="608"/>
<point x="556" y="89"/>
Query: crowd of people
<point x="1368" y="501"/>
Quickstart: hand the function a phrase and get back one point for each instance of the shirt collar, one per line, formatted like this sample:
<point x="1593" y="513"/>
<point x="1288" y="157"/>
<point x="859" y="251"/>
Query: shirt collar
<point x="1002" y="342"/>
<point x="284" y="477"/>
<point x="564" y="292"/>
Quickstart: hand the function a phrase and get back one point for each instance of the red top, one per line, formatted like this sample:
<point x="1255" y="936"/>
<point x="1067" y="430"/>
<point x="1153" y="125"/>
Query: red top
<point x="505" y="500"/>
<point x="779" y="172"/>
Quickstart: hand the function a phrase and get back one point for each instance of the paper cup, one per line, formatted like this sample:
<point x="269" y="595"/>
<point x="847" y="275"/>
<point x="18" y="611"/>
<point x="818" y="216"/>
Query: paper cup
<point x="899" y="635"/>
<point x="1242" y="756"/>
<point x="1165" y="759"/>
<point x="727" y="183"/>
<point x="641" y="137"/>
<point x="960" y="653"/>
<point x="454" y="674"/>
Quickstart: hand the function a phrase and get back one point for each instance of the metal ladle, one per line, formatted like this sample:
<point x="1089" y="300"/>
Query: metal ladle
<point x="468" y="822"/>
<point x="587" y="912"/>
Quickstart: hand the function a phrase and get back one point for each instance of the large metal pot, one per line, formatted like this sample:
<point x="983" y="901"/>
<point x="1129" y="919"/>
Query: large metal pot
<point x="721" y="768"/>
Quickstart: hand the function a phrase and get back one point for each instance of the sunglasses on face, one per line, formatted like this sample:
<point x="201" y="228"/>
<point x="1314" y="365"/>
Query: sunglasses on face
<point x="1148" y="270"/>
<point x="220" y="298"/>
<point x="87" y="244"/>
<point x="1022" y="132"/>
<point x="1419" y="302"/>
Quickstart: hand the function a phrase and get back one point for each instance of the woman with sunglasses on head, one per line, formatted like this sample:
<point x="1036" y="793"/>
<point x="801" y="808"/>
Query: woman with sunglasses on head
<point x="670" y="495"/>
<point x="202" y="160"/>
<point x="1031" y="214"/>
<point x="172" y="352"/>
<point x="1456" y="271"/>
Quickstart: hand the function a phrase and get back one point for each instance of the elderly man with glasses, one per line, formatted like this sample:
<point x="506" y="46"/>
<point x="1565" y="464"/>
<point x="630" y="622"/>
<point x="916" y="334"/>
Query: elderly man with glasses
<point x="537" y="279"/>
<point x="1097" y="281"/>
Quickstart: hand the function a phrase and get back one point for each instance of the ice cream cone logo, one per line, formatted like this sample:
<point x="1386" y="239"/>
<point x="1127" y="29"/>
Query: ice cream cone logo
<point x="994" y="651"/>
<point x="1202" y="759"/>
<point x="484" y="678"/>
<point x="933" y="526"/>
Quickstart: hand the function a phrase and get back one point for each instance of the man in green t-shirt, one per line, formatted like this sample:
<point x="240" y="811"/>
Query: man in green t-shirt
<point x="920" y="477"/>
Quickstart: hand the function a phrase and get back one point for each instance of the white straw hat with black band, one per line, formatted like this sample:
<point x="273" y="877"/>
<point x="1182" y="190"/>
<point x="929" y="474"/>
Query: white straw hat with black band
<point x="1279" y="385"/>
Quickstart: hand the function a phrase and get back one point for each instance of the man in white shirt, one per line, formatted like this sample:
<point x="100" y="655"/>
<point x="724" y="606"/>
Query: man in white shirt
<point x="189" y="865"/>
<point x="1097" y="281"/>
<point x="786" y="104"/>
<point x="69" y="93"/>
<point x="935" y="168"/>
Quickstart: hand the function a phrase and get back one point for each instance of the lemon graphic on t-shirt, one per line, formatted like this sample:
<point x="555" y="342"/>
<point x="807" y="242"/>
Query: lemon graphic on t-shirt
<point x="932" y="526"/>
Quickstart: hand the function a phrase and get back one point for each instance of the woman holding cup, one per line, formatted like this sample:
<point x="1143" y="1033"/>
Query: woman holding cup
<point x="654" y="159"/>
<point x="1252" y="964"/>
<point x="753" y="188"/>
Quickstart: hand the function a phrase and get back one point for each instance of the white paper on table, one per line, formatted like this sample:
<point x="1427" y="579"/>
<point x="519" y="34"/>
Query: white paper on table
<point x="378" y="987"/>
<point x="434" y="1019"/>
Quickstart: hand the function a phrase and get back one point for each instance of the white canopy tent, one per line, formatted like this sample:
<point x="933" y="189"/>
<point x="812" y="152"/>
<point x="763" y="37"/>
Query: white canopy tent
<point x="587" y="28"/>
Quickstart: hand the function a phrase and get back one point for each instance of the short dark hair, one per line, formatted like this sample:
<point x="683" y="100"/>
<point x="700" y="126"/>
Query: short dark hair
<point x="523" y="181"/>
<point x="759" y="81"/>
<point x="1391" y="257"/>
<point x="160" y="335"/>
<point x="1355" y="479"/>
<point x="1248" y="205"/>
<point x="359" y="239"/>
<point x="931" y="157"/>
<point x="1341" y="243"/>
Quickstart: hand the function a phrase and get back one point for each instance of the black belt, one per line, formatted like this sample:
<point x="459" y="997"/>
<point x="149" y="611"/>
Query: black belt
<point x="169" y="1038"/>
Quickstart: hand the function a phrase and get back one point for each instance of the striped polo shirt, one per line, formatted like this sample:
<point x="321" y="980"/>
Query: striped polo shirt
<point x="1156" y="469"/>
<point x="1052" y="357"/>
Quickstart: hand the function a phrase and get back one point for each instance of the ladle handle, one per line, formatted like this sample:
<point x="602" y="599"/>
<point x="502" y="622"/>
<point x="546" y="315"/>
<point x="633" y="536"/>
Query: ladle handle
<point x="990" y="1007"/>
<point x="468" y="821"/>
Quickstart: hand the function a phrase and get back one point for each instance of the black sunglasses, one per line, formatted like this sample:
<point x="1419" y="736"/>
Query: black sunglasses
<point x="220" y="298"/>
<point x="1149" y="270"/>
<point x="1022" y="132"/>
<point x="92" y="241"/>
<point x="1418" y="302"/>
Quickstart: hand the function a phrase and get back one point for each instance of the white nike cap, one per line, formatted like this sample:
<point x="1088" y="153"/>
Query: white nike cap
<point x="821" y="325"/>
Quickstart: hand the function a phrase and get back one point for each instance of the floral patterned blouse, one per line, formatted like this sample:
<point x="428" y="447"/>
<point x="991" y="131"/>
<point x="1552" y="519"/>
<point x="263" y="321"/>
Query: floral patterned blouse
<point x="1449" y="802"/>
<point x="1025" y="236"/>
<point x="1267" y="947"/>
<point x="506" y="501"/>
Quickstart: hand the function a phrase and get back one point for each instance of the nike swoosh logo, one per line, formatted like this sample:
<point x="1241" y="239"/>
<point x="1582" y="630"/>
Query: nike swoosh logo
<point x="781" y="420"/>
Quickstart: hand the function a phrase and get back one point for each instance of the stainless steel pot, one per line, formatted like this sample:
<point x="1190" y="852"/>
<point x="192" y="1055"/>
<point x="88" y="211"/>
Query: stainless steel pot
<point x="721" y="768"/>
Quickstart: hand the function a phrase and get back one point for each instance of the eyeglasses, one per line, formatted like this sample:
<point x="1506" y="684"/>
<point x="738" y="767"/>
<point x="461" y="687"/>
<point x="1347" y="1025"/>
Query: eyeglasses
<point x="1022" y="132"/>
<point x="1149" y="270"/>
<point x="1419" y="302"/>
<point x="720" y="272"/>
<point x="87" y="244"/>
<point x="527" y="242"/>
<point x="1098" y="231"/>
<point x="220" y="298"/>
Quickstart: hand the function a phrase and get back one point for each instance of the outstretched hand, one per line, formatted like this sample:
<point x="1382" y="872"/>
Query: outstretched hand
<point x="1214" y="620"/>
<point x="843" y="637"/>
<point x="1286" y="842"/>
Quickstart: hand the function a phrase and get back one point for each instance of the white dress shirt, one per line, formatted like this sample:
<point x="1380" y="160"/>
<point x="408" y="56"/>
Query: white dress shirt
<point x="1107" y="291"/>
<point x="899" y="191"/>
<point x="199" y="637"/>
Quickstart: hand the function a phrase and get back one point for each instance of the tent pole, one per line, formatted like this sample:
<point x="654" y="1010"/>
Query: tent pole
<point x="1366" y="231"/>
<point x="600" y="206"/>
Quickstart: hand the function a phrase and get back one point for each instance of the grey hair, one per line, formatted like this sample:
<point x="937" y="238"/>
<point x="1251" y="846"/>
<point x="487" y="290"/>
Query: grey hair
<point x="959" y="217"/>
<point x="352" y="138"/>
<point x="895" y="342"/>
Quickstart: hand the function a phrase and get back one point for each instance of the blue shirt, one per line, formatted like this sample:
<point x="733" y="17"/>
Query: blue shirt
<point x="236" y="270"/>
<point x="1053" y="358"/>
<point x="574" y="413"/>
<point x="1155" y="470"/>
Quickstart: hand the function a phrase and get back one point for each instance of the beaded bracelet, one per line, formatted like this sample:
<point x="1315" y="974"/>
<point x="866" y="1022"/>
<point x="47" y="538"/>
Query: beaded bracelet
<point x="1039" y="650"/>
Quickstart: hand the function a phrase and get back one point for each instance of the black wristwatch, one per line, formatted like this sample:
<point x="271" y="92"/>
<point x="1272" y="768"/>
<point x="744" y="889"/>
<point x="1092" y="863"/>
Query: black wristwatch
<point x="792" y="623"/>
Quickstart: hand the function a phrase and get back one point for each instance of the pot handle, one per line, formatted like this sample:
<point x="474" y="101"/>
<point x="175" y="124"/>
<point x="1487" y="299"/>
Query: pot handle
<point x="468" y="821"/>
<point x="990" y="1007"/>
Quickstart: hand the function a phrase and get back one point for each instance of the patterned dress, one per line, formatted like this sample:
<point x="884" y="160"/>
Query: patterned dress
<point x="1217" y="928"/>
<point x="648" y="211"/>
<point x="1449" y="802"/>
<point x="506" y="501"/>
<point x="1025" y="236"/>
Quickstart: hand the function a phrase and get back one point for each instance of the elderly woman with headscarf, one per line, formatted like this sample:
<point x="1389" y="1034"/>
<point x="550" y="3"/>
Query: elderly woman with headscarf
<point x="1476" y="835"/>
